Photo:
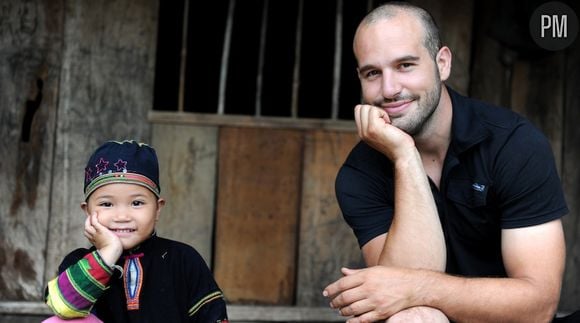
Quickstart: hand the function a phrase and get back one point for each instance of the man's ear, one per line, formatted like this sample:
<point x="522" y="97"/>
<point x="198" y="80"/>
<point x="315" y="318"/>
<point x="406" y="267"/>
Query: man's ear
<point x="443" y="60"/>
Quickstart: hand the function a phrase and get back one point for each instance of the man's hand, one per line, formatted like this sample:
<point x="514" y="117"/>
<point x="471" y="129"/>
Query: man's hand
<point x="106" y="242"/>
<point x="374" y="128"/>
<point x="375" y="293"/>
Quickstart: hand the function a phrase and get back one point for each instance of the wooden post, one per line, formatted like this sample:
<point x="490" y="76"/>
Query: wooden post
<point x="105" y="92"/>
<point x="326" y="241"/>
<point x="31" y="42"/>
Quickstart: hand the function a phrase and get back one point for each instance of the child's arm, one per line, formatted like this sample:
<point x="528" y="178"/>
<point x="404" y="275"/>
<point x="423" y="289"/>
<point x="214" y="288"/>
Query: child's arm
<point x="74" y="291"/>
<point x="106" y="242"/>
<point x="208" y="304"/>
<point x="210" y="308"/>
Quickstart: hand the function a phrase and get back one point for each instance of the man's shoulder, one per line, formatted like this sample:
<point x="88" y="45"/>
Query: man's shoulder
<point x="500" y="122"/>
<point x="490" y="114"/>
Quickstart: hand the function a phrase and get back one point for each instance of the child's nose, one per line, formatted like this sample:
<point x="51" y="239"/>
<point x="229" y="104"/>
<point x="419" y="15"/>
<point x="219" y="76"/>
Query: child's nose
<point x="123" y="214"/>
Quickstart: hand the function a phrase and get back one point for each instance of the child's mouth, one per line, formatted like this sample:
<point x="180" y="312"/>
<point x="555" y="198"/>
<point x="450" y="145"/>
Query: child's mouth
<point x="123" y="230"/>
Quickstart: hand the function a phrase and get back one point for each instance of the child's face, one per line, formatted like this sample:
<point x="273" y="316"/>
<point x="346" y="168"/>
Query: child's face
<point x="130" y="211"/>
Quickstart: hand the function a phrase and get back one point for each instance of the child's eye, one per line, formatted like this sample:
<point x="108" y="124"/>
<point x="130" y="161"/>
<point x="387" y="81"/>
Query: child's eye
<point x="137" y="203"/>
<point x="105" y="204"/>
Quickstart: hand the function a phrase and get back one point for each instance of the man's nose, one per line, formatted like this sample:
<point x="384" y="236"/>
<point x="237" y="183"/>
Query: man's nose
<point x="391" y="87"/>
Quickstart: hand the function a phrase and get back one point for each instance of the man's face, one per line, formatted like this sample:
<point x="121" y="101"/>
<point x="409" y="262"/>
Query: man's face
<point x="396" y="71"/>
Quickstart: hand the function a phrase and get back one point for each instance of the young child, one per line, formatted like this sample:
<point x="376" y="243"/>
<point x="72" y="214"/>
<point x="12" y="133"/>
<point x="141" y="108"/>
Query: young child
<point x="130" y="274"/>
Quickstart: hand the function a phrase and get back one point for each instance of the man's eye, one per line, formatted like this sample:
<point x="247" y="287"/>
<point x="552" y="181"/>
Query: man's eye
<point x="405" y="66"/>
<point x="372" y="73"/>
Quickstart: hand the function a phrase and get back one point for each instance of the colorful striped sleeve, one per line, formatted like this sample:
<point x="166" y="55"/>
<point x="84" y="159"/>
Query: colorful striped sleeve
<point x="74" y="292"/>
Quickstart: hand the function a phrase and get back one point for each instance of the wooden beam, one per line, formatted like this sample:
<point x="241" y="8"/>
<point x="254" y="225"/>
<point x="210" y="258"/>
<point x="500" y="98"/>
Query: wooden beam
<point x="249" y="121"/>
<point x="236" y="313"/>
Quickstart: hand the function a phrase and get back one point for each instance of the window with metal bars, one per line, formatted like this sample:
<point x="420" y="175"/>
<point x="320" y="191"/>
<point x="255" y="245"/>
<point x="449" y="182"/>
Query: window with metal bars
<point x="260" y="58"/>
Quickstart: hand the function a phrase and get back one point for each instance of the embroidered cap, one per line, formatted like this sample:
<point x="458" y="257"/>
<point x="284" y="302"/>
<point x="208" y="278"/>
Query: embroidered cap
<point x="122" y="162"/>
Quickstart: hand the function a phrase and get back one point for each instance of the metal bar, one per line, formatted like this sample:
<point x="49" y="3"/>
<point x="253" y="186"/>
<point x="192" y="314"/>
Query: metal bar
<point x="337" y="60"/>
<point x="261" y="58"/>
<point x="296" y="74"/>
<point x="225" y="58"/>
<point x="183" y="58"/>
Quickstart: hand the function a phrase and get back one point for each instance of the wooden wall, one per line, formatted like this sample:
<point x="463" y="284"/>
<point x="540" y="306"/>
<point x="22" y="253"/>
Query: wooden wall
<point x="259" y="205"/>
<point x="31" y="37"/>
<point x="72" y="74"/>
<point x="543" y="86"/>
<point x="257" y="202"/>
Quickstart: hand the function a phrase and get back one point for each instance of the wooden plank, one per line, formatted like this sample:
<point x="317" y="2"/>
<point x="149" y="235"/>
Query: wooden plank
<point x="326" y="241"/>
<point x="257" y="214"/>
<point x="570" y="299"/>
<point x="106" y="88"/>
<point x="236" y="313"/>
<point x="244" y="313"/>
<point x="187" y="166"/>
<point x="455" y="19"/>
<point x="530" y="80"/>
<point x="30" y="49"/>
<point x="250" y="121"/>
<point x="488" y="74"/>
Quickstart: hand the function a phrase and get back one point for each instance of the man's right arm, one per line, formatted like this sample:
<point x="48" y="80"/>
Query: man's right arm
<point x="415" y="238"/>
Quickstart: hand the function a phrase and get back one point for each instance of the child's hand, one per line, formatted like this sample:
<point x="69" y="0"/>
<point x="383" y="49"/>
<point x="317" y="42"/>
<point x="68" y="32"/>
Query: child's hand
<point x="106" y="242"/>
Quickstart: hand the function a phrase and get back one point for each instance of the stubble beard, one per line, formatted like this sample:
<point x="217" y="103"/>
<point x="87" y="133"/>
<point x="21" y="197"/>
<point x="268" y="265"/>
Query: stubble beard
<point x="414" y="121"/>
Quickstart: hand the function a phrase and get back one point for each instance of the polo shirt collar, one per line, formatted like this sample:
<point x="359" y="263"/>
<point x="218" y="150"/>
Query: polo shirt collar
<point x="467" y="130"/>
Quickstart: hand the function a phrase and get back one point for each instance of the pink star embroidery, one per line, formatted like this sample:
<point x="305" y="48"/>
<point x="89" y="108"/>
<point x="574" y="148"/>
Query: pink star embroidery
<point x="121" y="165"/>
<point x="88" y="174"/>
<point x="102" y="165"/>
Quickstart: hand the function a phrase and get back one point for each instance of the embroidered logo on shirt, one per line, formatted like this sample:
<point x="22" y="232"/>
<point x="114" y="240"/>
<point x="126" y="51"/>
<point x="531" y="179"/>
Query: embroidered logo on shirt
<point x="478" y="187"/>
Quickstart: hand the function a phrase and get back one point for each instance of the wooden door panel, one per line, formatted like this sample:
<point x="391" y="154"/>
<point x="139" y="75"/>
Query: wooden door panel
<point x="257" y="214"/>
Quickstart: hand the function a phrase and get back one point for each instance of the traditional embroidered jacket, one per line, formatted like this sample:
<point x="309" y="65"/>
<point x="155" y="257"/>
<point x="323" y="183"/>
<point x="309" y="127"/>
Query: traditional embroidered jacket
<point x="162" y="281"/>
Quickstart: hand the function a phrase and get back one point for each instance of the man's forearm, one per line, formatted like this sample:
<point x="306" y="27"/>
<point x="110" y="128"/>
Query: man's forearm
<point x="415" y="238"/>
<point x="489" y="299"/>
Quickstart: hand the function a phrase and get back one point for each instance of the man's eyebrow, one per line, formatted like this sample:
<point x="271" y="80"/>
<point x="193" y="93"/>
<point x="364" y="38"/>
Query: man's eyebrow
<point x="365" y="68"/>
<point x="406" y="58"/>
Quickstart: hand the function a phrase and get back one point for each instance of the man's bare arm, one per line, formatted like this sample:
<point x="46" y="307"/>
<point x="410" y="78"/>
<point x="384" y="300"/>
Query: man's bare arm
<point x="534" y="259"/>
<point x="415" y="238"/>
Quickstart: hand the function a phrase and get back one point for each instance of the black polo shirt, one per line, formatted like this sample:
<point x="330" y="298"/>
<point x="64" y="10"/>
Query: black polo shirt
<point x="499" y="173"/>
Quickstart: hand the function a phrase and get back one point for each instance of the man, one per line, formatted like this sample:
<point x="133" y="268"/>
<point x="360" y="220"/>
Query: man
<point x="457" y="202"/>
